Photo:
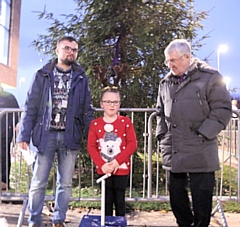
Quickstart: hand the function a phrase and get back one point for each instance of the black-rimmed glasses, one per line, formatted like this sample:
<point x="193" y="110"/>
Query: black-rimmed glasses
<point x="69" y="49"/>
<point x="109" y="103"/>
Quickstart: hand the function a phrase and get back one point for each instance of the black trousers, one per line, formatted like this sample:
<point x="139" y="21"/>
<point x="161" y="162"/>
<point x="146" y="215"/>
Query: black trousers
<point x="115" y="195"/>
<point x="6" y="160"/>
<point x="201" y="187"/>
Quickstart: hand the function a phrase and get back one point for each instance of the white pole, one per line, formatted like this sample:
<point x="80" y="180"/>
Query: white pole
<point x="218" y="59"/>
<point x="221" y="49"/>
<point x="103" y="188"/>
<point x="103" y="203"/>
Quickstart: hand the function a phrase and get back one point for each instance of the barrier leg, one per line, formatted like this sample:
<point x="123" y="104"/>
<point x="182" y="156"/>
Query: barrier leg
<point x="214" y="210"/>
<point x="22" y="213"/>
<point x="221" y="211"/>
<point x="48" y="206"/>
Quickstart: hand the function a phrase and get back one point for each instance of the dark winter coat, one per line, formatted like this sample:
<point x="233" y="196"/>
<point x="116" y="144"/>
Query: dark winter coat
<point x="189" y="117"/>
<point x="36" y="118"/>
<point x="8" y="121"/>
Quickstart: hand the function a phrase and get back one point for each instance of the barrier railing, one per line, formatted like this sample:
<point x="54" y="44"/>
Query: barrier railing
<point x="146" y="168"/>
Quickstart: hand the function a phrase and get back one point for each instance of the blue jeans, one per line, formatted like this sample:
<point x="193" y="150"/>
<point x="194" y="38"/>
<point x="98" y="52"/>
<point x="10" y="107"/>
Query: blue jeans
<point x="41" y="170"/>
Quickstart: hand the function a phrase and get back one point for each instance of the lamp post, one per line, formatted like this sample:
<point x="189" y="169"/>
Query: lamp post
<point x="21" y="80"/>
<point x="221" y="49"/>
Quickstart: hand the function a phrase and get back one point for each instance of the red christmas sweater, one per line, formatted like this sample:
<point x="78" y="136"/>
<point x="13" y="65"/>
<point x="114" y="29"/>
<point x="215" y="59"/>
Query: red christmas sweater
<point x="108" y="141"/>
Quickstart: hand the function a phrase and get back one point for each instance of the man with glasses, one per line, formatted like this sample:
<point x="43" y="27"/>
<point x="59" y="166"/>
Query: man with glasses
<point x="58" y="111"/>
<point x="193" y="106"/>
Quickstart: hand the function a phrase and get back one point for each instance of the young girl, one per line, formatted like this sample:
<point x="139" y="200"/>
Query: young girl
<point x="111" y="142"/>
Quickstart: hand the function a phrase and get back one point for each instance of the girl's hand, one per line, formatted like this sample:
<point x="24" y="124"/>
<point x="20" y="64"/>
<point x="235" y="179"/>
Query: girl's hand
<point x="115" y="165"/>
<point x="107" y="168"/>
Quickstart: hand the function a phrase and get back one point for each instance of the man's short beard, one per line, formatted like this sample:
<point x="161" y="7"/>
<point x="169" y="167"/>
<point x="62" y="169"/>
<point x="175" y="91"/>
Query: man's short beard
<point x="67" y="62"/>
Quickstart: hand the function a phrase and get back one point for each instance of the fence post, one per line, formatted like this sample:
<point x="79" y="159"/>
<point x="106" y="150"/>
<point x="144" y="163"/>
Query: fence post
<point x="150" y="154"/>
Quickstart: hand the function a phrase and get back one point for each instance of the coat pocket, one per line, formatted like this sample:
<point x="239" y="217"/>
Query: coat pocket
<point x="37" y="134"/>
<point x="77" y="130"/>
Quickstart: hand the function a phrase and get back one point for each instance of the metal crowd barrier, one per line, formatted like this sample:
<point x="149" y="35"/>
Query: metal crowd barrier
<point x="153" y="179"/>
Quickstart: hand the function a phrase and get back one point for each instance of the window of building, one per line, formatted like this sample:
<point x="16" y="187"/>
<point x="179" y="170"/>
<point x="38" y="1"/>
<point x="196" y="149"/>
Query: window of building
<point x="5" y="15"/>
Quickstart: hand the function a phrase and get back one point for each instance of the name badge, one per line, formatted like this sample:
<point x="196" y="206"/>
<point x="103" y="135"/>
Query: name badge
<point x="64" y="103"/>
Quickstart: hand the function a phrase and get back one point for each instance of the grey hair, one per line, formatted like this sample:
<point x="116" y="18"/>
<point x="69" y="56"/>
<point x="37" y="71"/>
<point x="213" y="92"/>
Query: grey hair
<point x="182" y="46"/>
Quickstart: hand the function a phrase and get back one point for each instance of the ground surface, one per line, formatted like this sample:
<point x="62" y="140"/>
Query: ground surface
<point x="9" y="217"/>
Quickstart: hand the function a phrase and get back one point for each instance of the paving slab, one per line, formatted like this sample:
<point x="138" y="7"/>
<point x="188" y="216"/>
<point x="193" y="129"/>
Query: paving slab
<point x="9" y="217"/>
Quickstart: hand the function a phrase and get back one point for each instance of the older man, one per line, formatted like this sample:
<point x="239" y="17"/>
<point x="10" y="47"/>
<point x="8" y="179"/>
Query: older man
<point x="193" y="107"/>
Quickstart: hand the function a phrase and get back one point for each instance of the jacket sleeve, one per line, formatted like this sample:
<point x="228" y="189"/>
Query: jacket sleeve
<point x="88" y="113"/>
<point x="219" y="101"/>
<point x="161" y="129"/>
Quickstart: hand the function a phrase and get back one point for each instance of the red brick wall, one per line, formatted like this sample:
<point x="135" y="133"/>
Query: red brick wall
<point x="8" y="73"/>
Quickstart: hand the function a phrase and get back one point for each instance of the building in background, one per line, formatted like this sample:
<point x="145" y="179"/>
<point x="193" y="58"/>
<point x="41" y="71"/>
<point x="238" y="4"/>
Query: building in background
<point x="9" y="39"/>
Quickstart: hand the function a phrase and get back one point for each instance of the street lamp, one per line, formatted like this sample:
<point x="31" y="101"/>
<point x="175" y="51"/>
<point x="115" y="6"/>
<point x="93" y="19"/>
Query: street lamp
<point x="227" y="80"/>
<point x="221" y="49"/>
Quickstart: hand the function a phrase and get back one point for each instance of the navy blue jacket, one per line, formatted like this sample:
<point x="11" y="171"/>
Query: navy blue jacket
<point x="35" y="121"/>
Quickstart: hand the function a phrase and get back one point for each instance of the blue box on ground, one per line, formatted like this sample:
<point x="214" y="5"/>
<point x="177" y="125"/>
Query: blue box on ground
<point x="95" y="220"/>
